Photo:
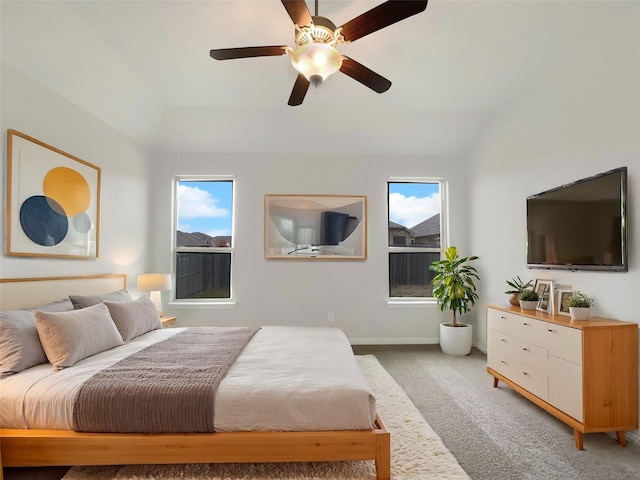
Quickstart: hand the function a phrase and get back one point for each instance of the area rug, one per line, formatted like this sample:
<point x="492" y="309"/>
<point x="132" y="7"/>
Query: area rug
<point x="417" y="453"/>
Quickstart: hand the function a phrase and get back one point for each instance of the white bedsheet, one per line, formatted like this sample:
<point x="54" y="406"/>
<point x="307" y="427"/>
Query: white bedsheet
<point x="286" y="379"/>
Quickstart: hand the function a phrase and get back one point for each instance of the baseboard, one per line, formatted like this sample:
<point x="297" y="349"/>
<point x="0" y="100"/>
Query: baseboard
<point x="406" y="341"/>
<point x="482" y="348"/>
<point x="395" y="341"/>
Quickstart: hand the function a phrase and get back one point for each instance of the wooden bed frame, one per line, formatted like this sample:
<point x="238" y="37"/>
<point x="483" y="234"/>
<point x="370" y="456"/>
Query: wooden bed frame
<point x="61" y="447"/>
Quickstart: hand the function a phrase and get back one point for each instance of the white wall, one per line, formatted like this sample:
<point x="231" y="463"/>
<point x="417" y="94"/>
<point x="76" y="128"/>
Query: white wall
<point x="584" y="118"/>
<point x="299" y="292"/>
<point x="39" y="112"/>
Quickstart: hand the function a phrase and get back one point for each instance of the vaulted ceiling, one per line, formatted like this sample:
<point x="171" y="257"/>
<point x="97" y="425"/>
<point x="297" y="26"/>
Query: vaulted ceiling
<point x="144" y="68"/>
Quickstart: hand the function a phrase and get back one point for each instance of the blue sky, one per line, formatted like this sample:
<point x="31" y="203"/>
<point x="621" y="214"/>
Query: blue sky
<point x="205" y="207"/>
<point x="413" y="203"/>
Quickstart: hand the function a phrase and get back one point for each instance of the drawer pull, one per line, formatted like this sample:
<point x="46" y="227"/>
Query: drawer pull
<point x="525" y="323"/>
<point x="525" y="373"/>
<point x="525" y="349"/>
<point x="502" y="361"/>
<point x="503" y="340"/>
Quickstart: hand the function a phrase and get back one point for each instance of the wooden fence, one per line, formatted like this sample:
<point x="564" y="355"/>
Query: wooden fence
<point x="203" y="275"/>
<point x="411" y="270"/>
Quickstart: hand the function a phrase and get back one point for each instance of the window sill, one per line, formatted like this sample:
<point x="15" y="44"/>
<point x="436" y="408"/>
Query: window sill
<point x="204" y="303"/>
<point x="410" y="301"/>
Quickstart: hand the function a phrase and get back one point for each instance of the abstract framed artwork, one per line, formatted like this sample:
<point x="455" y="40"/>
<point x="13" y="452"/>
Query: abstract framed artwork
<point x="53" y="201"/>
<point x="318" y="227"/>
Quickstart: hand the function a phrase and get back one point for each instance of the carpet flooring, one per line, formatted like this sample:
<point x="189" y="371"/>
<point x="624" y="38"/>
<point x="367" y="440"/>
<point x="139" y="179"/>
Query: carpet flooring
<point x="495" y="433"/>
<point x="417" y="453"/>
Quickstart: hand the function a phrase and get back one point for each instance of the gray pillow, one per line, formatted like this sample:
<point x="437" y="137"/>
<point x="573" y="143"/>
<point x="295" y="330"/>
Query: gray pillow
<point x="68" y="337"/>
<point x="134" y="318"/>
<point x="20" y="346"/>
<point x="84" y="301"/>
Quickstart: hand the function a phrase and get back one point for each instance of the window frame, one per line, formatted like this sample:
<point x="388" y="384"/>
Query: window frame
<point x="198" y="302"/>
<point x="444" y="235"/>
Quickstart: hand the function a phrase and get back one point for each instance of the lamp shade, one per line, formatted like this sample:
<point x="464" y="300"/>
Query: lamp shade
<point x="154" y="282"/>
<point x="316" y="61"/>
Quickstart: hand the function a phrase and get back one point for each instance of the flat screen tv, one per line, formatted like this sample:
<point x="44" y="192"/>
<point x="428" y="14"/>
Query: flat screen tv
<point x="581" y="225"/>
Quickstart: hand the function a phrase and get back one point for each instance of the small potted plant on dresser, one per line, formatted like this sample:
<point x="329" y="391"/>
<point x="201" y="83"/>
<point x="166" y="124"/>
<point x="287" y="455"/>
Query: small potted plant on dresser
<point x="528" y="299"/>
<point x="516" y="287"/>
<point x="455" y="290"/>
<point x="580" y="306"/>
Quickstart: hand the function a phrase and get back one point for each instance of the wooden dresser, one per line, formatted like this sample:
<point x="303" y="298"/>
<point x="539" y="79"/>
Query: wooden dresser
<point x="585" y="373"/>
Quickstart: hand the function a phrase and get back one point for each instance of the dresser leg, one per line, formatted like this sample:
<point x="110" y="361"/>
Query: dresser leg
<point x="495" y="382"/>
<point x="579" y="439"/>
<point x="621" y="438"/>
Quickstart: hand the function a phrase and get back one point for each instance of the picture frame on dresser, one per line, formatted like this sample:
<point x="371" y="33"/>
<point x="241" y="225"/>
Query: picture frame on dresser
<point x="563" y="301"/>
<point x="545" y="289"/>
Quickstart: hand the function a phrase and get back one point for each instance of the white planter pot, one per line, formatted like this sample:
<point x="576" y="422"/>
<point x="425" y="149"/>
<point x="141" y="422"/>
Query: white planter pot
<point x="580" y="313"/>
<point x="455" y="340"/>
<point x="528" y="304"/>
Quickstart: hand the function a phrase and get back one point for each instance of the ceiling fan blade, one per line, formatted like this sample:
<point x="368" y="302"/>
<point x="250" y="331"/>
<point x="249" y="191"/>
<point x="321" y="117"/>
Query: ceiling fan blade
<point x="380" y="17"/>
<point x="299" y="90"/>
<point x="298" y="11"/>
<point x="247" y="52"/>
<point x="365" y="76"/>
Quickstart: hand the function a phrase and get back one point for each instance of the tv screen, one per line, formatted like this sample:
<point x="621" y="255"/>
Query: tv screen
<point x="580" y="226"/>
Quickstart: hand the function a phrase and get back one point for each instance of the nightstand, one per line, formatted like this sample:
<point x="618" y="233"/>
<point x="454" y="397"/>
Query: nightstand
<point x="167" y="321"/>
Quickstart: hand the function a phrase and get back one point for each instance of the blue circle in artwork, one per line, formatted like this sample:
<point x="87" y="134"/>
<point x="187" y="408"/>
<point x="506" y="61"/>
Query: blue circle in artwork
<point x="42" y="223"/>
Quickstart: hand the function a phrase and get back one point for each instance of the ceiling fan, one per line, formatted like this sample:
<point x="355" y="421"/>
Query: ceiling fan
<point x="315" y="56"/>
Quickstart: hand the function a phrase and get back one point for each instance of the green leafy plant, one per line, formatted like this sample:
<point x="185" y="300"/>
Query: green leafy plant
<point x="579" y="299"/>
<point x="453" y="285"/>
<point x="529" y="295"/>
<point x="517" y="286"/>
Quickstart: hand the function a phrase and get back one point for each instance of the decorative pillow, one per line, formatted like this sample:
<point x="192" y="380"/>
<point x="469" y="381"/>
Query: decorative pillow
<point x="134" y="318"/>
<point x="68" y="337"/>
<point x="20" y="346"/>
<point x="84" y="301"/>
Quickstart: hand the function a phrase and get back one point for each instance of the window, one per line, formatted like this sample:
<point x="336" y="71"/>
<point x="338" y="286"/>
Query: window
<point x="204" y="240"/>
<point x="416" y="221"/>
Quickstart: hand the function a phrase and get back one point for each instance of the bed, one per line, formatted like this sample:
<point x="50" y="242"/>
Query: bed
<point x="20" y="446"/>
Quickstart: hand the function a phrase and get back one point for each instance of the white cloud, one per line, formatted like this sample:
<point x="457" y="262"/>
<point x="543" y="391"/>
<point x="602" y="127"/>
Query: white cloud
<point x="410" y="211"/>
<point x="196" y="203"/>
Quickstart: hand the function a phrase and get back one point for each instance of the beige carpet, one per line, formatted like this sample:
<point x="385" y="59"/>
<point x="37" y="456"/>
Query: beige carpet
<point x="417" y="453"/>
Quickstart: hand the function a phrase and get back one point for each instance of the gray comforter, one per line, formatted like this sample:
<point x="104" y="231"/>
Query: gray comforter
<point x="168" y="387"/>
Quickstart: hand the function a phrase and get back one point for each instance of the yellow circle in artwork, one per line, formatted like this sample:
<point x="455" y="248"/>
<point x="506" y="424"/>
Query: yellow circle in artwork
<point x="69" y="188"/>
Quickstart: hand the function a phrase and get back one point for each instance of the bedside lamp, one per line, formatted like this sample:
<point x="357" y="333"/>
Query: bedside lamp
<point x="154" y="283"/>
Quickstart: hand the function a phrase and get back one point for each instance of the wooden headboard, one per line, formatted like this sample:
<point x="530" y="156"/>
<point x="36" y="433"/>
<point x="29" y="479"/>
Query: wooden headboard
<point x="32" y="292"/>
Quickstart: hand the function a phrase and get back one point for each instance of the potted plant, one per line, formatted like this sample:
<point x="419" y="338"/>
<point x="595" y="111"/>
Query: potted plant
<point x="580" y="306"/>
<point x="455" y="290"/>
<point x="528" y="299"/>
<point x="517" y="286"/>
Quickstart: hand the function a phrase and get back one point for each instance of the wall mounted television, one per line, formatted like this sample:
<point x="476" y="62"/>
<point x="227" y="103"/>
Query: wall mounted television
<point x="581" y="225"/>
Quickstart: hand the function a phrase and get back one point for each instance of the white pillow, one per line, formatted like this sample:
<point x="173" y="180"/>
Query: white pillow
<point x="68" y="337"/>
<point x="135" y="317"/>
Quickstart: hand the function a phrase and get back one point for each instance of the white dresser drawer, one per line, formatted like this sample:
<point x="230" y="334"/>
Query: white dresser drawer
<point x="529" y="329"/>
<point x="565" y="342"/>
<point x="524" y="352"/>
<point x="528" y="378"/>
<point x="565" y="387"/>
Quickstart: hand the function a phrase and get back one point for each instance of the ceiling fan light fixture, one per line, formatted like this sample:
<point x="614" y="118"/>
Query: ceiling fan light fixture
<point x="316" y="61"/>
